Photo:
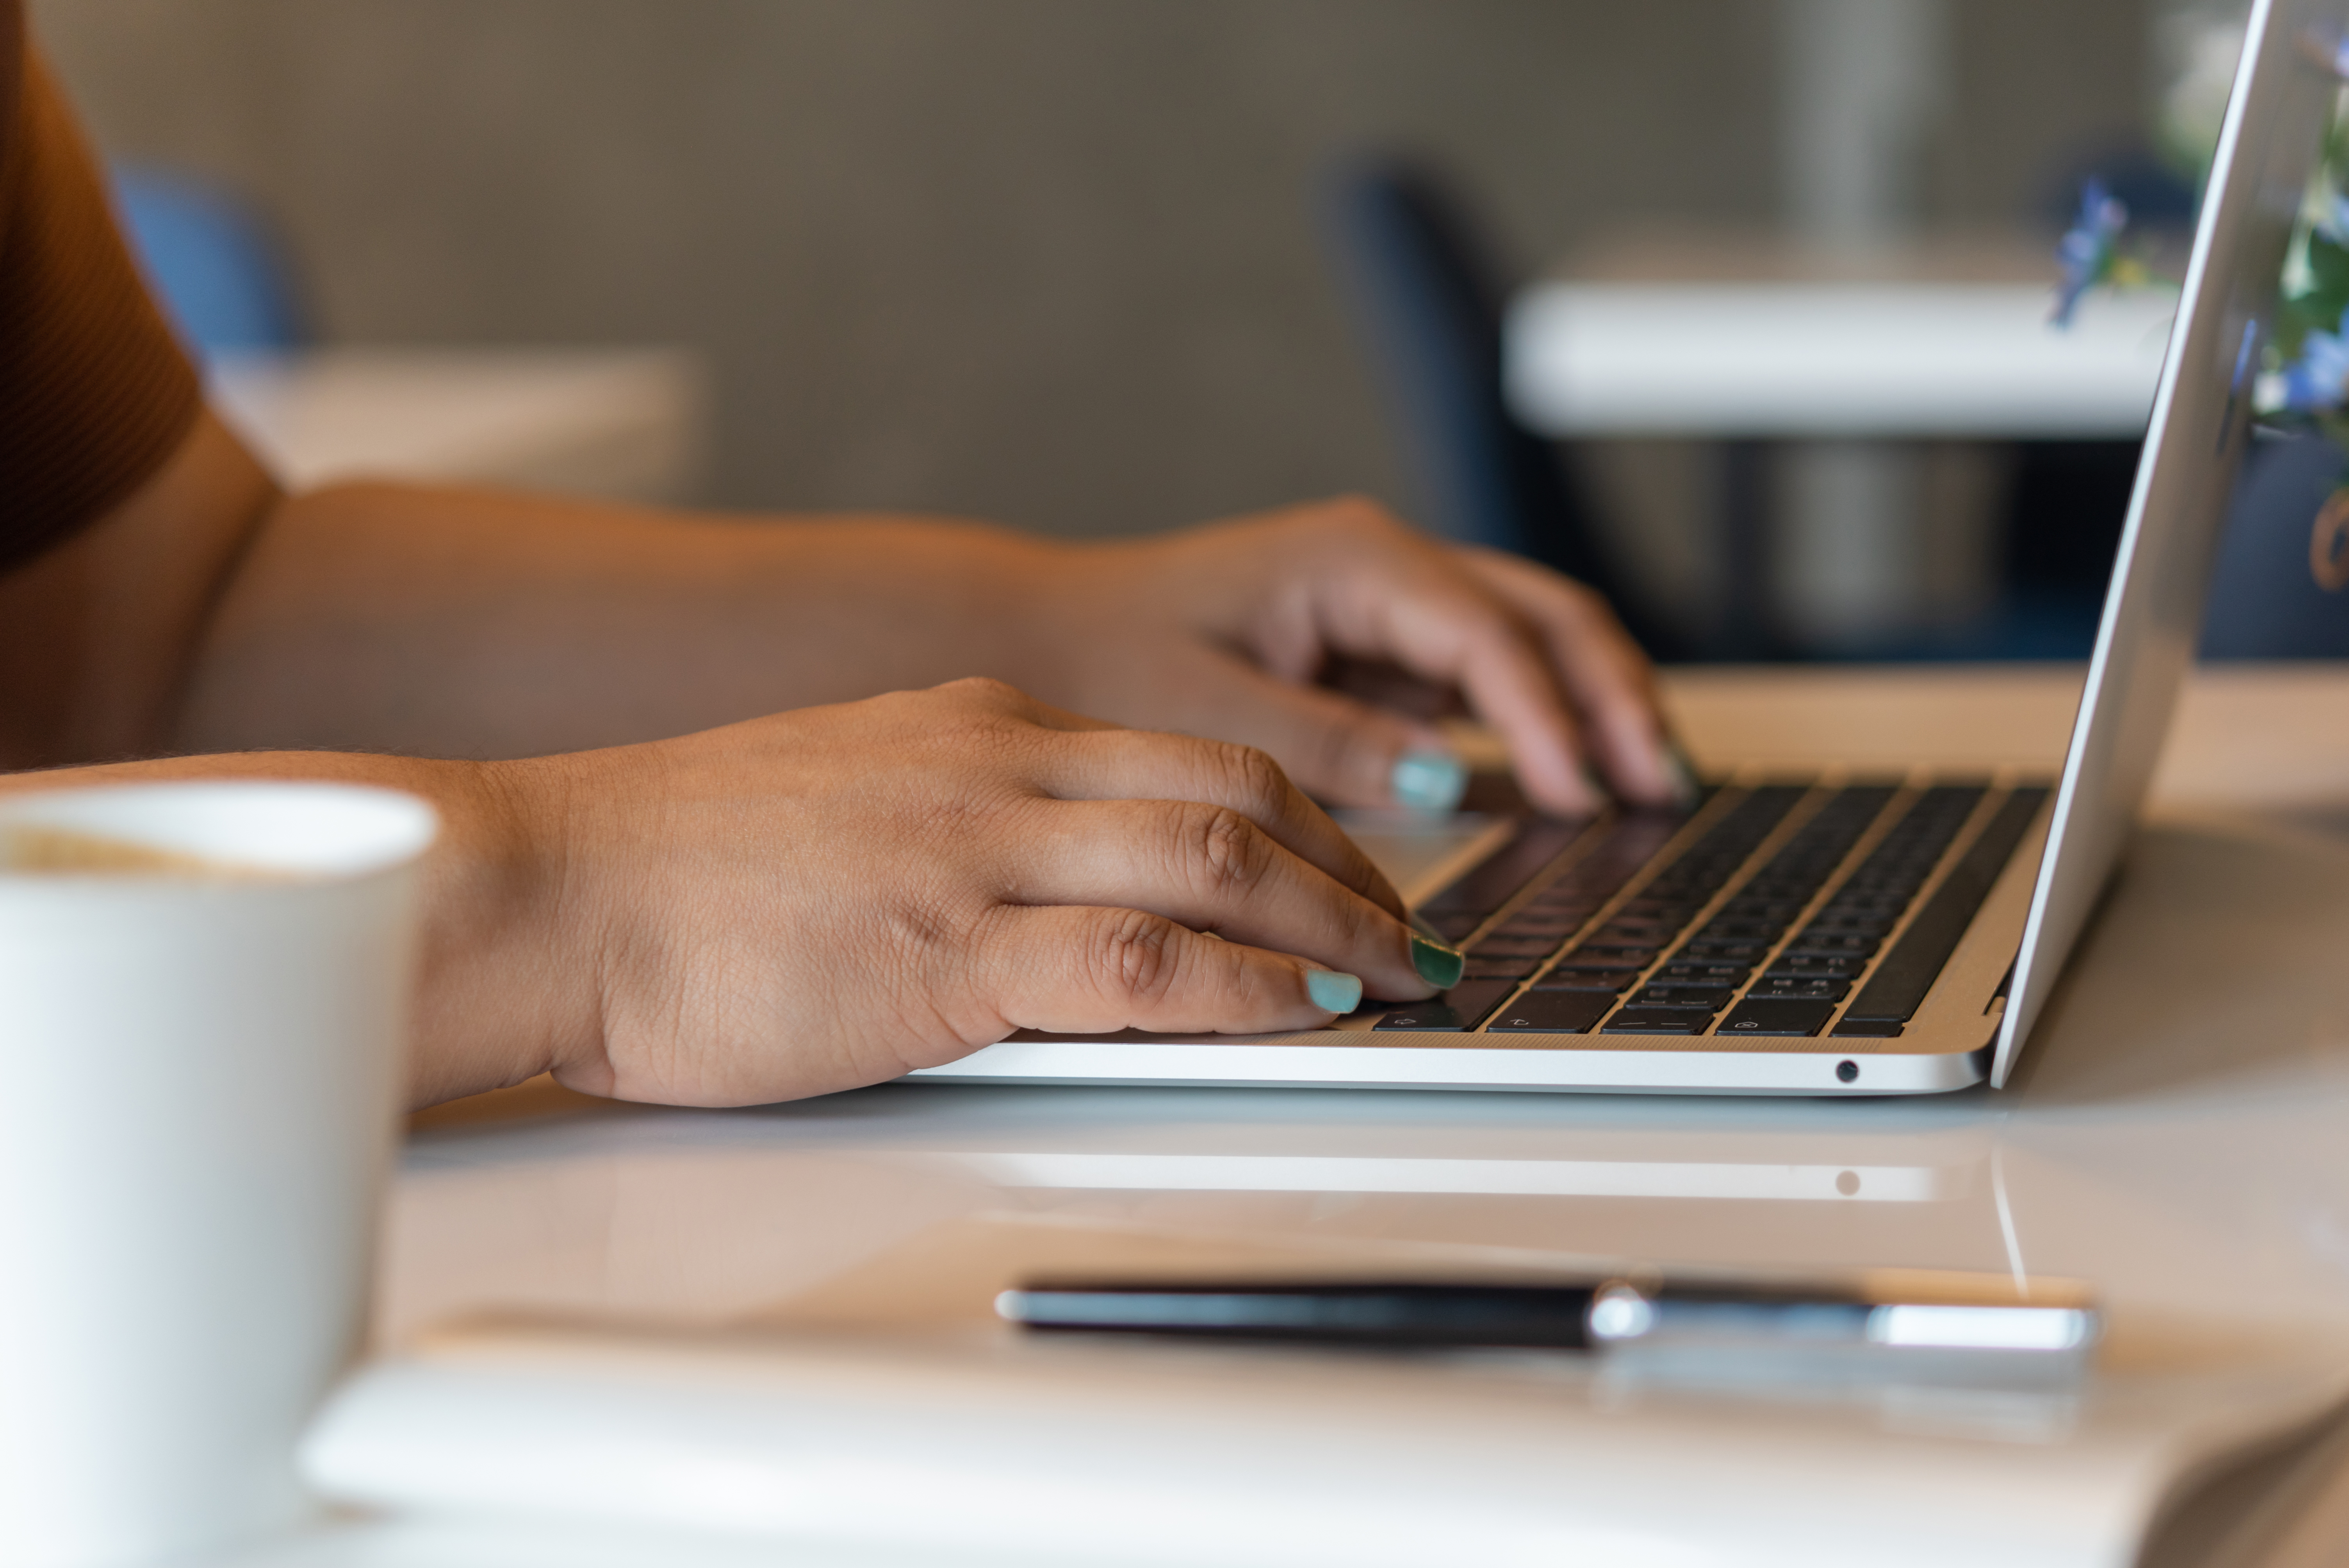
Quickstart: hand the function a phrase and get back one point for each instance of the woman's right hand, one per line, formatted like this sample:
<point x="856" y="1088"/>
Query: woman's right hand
<point x="838" y="895"/>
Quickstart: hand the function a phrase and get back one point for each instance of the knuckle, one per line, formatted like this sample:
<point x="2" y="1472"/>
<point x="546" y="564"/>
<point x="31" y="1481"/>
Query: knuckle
<point x="985" y="691"/>
<point x="1221" y="849"/>
<point x="1251" y="776"/>
<point x="922" y="940"/>
<point x="1132" y="954"/>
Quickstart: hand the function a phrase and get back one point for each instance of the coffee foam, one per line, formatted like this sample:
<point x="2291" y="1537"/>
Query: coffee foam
<point x="41" y="851"/>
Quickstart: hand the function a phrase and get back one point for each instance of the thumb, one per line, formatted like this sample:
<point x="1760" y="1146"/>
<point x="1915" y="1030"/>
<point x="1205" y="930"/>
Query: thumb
<point x="1342" y="750"/>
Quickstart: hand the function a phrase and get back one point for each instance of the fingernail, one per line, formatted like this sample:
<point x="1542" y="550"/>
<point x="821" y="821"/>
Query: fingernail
<point x="1682" y="774"/>
<point x="1332" y="992"/>
<point x="1428" y="781"/>
<point x="1439" y="963"/>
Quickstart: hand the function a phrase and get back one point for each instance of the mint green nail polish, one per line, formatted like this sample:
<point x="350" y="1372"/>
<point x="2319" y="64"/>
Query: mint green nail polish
<point x="1428" y="781"/>
<point x="1439" y="963"/>
<point x="1332" y="992"/>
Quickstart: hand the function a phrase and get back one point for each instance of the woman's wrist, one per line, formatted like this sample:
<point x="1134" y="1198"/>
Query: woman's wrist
<point x="507" y="992"/>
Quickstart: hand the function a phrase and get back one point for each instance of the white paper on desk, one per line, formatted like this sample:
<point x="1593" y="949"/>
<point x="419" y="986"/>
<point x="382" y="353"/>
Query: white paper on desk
<point x="889" y="1409"/>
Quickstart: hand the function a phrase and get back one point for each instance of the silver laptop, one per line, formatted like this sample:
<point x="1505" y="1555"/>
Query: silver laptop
<point x="1835" y="935"/>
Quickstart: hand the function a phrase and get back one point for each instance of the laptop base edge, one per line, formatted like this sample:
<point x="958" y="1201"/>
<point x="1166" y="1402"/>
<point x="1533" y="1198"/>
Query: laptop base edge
<point x="1814" y="1072"/>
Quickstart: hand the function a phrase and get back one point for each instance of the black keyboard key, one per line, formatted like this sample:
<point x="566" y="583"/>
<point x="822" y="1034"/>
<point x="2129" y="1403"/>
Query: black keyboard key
<point x="1553" y="1013"/>
<point x="1832" y="944"/>
<point x="1453" y="925"/>
<point x="1724" y="846"/>
<point x="1632" y="935"/>
<point x="1858" y="900"/>
<point x="1669" y="912"/>
<point x="1689" y="974"/>
<point x="1787" y="988"/>
<point x="1740" y="930"/>
<point x="1894" y="990"/>
<point x="1499" y="968"/>
<point x="1746" y="953"/>
<point x="1708" y="999"/>
<point x="1620" y="955"/>
<point x="1529" y="924"/>
<point x="1582" y="958"/>
<point x="1658" y="1021"/>
<point x="1818" y="966"/>
<point x="1492" y="881"/>
<point x="1502" y="946"/>
<point x="1646" y="924"/>
<point x="1607" y="980"/>
<point x="1817" y="847"/>
<point x="1830" y="923"/>
<point x="1462" y="1008"/>
<point x="1774" y="1016"/>
<point x="1777" y="910"/>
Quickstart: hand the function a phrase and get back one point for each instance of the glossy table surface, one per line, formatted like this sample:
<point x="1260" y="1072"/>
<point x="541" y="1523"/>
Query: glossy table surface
<point x="2178" y="1136"/>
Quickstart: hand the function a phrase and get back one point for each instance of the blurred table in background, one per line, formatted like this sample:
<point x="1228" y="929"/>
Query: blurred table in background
<point x="1754" y="335"/>
<point x="1857" y="356"/>
<point x="618" y="424"/>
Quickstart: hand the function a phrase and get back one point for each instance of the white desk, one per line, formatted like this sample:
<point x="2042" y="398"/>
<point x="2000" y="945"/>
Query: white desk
<point x="618" y="424"/>
<point x="1922" y="361"/>
<point x="2179" y="1135"/>
<point x="1738" y="336"/>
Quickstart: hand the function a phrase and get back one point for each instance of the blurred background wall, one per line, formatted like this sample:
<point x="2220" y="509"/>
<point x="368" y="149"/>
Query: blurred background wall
<point x="1049" y="261"/>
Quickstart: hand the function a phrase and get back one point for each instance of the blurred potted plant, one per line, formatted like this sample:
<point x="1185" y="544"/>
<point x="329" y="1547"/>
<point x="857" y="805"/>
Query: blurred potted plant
<point x="2283" y="558"/>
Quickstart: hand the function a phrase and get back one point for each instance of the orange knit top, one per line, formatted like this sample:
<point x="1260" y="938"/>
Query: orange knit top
<point x="95" y="392"/>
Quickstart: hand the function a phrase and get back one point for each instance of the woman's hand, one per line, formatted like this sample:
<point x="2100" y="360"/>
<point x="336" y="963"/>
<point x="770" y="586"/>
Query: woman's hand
<point x="1234" y="629"/>
<point x="837" y="895"/>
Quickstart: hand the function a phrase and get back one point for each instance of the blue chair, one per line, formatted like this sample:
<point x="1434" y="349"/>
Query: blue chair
<point x="2266" y="600"/>
<point x="1431" y="305"/>
<point x="222" y="278"/>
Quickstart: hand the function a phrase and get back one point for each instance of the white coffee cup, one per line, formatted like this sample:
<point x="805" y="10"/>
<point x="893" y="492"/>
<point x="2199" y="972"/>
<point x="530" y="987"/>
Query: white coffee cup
<point x="201" y="1042"/>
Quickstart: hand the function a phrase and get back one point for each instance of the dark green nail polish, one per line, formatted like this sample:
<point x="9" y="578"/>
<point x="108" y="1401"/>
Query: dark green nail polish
<point x="1439" y="965"/>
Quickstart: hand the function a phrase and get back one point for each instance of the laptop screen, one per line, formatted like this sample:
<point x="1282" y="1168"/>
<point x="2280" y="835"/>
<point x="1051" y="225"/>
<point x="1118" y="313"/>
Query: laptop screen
<point x="2276" y="126"/>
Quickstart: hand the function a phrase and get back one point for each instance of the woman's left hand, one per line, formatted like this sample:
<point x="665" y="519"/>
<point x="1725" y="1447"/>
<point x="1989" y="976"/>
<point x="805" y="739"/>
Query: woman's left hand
<point x="1234" y="630"/>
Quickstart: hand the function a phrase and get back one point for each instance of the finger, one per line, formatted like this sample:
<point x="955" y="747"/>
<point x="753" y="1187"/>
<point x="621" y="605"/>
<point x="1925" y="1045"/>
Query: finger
<point x="1072" y="969"/>
<point x="1604" y="672"/>
<point x="1144" y="765"/>
<point x="1340" y="747"/>
<point x="1452" y="630"/>
<point x="1209" y="868"/>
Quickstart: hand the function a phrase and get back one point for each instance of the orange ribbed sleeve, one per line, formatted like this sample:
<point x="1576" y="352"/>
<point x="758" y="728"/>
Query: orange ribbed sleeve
<point x="95" y="393"/>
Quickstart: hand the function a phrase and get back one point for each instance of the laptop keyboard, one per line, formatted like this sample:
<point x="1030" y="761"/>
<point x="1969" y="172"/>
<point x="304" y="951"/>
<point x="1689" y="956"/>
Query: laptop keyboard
<point x="1721" y="938"/>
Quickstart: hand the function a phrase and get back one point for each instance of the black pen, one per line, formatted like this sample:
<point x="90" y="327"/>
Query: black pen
<point x="1876" y="1314"/>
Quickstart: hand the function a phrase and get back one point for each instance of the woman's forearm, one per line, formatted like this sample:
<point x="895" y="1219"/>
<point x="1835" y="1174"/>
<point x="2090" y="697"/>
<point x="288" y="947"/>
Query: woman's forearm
<point x="486" y="624"/>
